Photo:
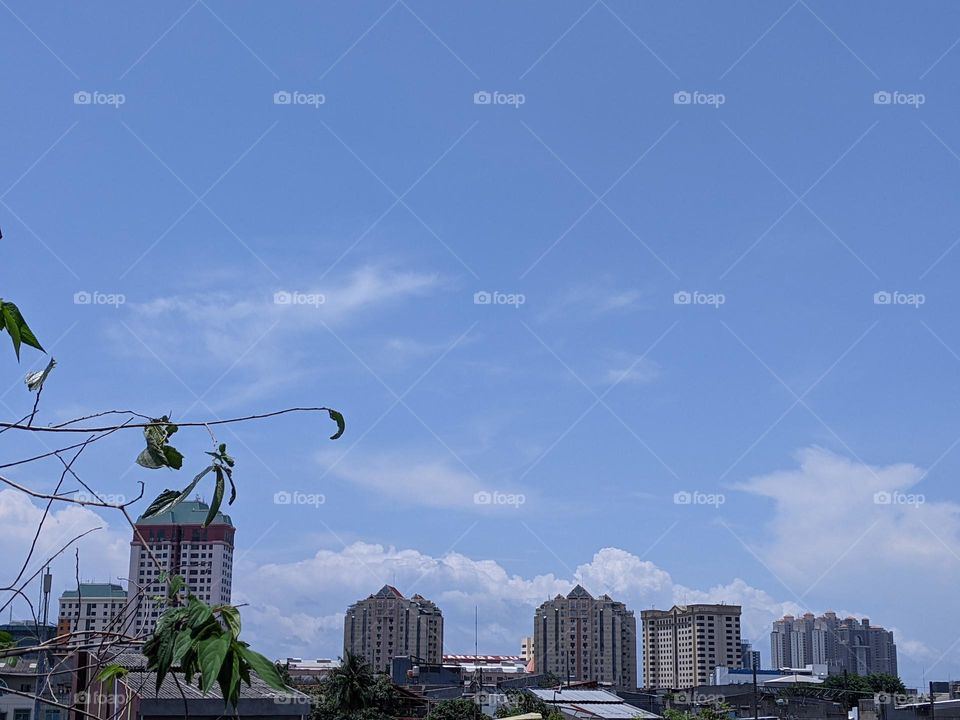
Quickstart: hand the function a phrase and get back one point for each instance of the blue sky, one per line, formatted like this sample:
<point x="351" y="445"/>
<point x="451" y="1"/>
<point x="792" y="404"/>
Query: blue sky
<point x="782" y="198"/>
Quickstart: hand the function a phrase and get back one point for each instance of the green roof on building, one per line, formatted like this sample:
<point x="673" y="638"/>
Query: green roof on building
<point x="189" y="512"/>
<point x="96" y="590"/>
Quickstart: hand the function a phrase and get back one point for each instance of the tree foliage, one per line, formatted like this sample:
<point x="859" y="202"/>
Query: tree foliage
<point x="458" y="709"/>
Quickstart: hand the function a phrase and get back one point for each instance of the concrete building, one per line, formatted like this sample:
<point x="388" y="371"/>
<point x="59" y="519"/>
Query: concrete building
<point x="579" y="637"/>
<point x="387" y="624"/>
<point x="683" y="645"/>
<point x="182" y="546"/>
<point x="749" y="658"/>
<point x="848" y="644"/>
<point x="526" y="649"/>
<point x="92" y="607"/>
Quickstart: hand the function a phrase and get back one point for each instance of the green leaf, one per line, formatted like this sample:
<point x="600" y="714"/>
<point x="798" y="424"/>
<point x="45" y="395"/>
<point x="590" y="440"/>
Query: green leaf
<point x="231" y="616"/>
<point x="111" y="673"/>
<point x="158" y="453"/>
<point x="217" y="496"/>
<point x="172" y="457"/>
<point x="17" y="327"/>
<point x="229" y="676"/>
<point x="35" y="380"/>
<point x="169" y="499"/>
<point x="175" y="586"/>
<point x="181" y="645"/>
<point x="212" y="654"/>
<point x="337" y="417"/>
<point x="262" y="667"/>
<point x="163" y="502"/>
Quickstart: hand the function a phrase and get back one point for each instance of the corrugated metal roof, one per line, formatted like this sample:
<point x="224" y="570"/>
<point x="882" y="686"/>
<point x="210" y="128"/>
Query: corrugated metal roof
<point x="568" y="695"/>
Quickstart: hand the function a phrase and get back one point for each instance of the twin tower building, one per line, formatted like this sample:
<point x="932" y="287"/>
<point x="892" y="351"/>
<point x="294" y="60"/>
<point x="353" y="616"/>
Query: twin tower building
<point x="575" y="638"/>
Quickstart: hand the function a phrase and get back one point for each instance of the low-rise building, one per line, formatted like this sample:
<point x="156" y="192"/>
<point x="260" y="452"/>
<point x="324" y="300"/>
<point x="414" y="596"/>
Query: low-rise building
<point x="92" y="608"/>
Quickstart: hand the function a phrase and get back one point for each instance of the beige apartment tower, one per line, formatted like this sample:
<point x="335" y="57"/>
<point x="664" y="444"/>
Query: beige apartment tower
<point x="579" y="637"/>
<point x="388" y="625"/>
<point x="683" y="645"/>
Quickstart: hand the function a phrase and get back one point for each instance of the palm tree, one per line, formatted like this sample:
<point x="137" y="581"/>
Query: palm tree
<point x="350" y="686"/>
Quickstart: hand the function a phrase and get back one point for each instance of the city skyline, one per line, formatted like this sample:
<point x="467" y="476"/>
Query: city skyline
<point x="657" y="298"/>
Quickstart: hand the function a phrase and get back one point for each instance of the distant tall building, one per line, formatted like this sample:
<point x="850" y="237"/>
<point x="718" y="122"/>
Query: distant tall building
<point x="387" y="624"/>
<point x="526" y="649"/>
<point x="579" y="637"/>
<point x="847" y="645"/>
<point x="683" y="645"/>
<point x="94" y="607"/>
<point x="181" y="546"/>
<point x="749" y="658"/>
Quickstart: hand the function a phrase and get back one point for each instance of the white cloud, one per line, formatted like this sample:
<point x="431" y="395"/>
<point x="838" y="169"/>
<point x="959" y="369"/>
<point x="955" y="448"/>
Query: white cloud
<point x="414" y="480"/>
<point x="103" y="554"/>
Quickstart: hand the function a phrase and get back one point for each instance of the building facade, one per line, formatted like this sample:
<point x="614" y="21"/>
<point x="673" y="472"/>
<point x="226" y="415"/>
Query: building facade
<point x="387" y="624"/>
<point x="92" y="607"/>
<point x="579" y="637"/>
<point x="526" y="649"/>
<point x="683" y="645"/>
<point x="749" y="658"/>
<point x="843" y="645"/>
<point x="180" y="545"/>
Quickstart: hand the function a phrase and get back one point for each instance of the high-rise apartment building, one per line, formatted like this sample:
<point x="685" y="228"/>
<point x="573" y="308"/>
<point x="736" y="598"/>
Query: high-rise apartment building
<point x="846" y="644"/>
<point x="683" y="645"/>
<point x="579" y="637"/>
<point x="749" y="658"/>
<point x="387" y="624"/>
<point x="92" y="607"/>
<point x="177" y="541"/>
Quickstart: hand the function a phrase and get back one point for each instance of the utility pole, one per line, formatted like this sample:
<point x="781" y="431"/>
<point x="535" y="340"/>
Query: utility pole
<point x="756" y="709"/>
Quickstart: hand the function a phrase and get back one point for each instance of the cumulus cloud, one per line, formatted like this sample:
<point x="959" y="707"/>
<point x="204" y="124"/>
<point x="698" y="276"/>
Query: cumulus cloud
<point x="103" y="555"/>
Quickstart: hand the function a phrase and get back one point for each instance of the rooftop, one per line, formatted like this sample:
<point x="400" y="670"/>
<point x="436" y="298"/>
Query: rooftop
<point x="189" y="512"/>
<point x="95" y="590"/>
